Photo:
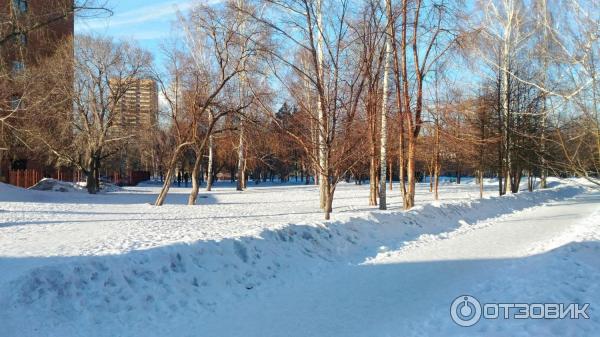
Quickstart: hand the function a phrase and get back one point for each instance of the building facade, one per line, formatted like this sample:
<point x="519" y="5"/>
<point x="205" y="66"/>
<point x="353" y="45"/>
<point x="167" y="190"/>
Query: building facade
<point x="137" y="109"/>
<point x="30" y="31"/>
<point x="136" y="119"/>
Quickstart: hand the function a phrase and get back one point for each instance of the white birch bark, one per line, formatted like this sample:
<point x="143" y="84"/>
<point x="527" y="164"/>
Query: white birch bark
<point x="209" y="172"/>
<point x="505" y="90"/>
<point x="322" y="118"/>
<point x="384" y="99"/>
<point x="241" y="159"/>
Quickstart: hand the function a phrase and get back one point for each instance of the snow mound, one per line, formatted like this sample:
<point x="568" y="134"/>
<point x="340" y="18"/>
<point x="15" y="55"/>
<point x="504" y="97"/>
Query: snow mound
<point x="49" y="184"/>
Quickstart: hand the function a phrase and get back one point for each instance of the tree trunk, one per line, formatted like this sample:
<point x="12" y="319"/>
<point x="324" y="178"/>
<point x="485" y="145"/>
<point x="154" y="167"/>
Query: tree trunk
<point x="409" y="196"/>
<point x="430" y="168"/>
<point x="436" y="183"/>
<point x="391" y="175"/>
<point x="90" y="180"/>
<point x="244" y="175"/>
<point x="399" y="96"/>
<point x="437" y="163"/>
<point x="195" y="183"/>
<point x="544" y="168"/>
<point x="480" y="184"/>
<point x="500" y="183"/>
<point x="516" y="180"/>
<point x="505" y="94"/>
<point x="409" y="199"/>
<point x="1" y="161"/>
<point x="241" y="160"/>
<point x="402" y="163"/>
<point x="321" y="111"/>
<point x="209" y="172"/>
<point x="383" y="140"/>
<point x="160" y="200"/>
<point x="329" y="200"/>
<point x="373" y="180"/>
<point x="93" y="174"/>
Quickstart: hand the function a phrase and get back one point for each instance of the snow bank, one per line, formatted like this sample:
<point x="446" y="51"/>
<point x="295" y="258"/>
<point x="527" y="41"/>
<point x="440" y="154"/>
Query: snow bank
<point x="10" y="193"/>
<point x="13" y="193"/>
<point x="168" y="290"/>
<point x="49" y="184"/>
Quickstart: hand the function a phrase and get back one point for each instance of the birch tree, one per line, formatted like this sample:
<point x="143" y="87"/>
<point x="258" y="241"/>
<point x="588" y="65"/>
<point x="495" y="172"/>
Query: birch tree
<point x="371" y="30"/>
<point x="384" y="102"/>
<point x="219" y="52"/>
<point x="335" y="83"/>
<point x="211" y="155"/>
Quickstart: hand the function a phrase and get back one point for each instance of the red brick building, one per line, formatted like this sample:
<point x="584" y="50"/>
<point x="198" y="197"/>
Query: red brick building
<point x="30" y="30"/>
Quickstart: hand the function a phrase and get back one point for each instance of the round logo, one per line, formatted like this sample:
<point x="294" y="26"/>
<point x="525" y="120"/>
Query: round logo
<point x="465" y="310"/>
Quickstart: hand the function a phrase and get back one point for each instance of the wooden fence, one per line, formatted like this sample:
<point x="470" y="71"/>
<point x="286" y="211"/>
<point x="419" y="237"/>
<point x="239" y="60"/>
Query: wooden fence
<point x="29" y="177"/>
<point x="131" y="179"/>
<point x="24" y="178"/>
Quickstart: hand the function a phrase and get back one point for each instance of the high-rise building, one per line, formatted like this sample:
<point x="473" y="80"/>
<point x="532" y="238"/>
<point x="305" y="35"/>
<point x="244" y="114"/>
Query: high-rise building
<point x="137" y="109"/>
<point x="136" y="118"/>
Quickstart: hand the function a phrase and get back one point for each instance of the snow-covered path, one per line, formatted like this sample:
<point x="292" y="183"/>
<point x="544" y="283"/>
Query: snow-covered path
<point x="408" y="292"/>
<point x="532" y="231"/>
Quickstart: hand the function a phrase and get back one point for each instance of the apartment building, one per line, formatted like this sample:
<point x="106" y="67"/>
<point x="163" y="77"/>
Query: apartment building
<point x="137" y="109"/>
<point x="135" y="117"/>
<point x="30" y="30"/>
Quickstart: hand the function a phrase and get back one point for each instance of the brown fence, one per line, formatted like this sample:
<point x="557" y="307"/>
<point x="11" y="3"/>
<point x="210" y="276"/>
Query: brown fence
<point x="24" y="178"/>
<point x="131" y="179"/>
<point x="29" y="177"/>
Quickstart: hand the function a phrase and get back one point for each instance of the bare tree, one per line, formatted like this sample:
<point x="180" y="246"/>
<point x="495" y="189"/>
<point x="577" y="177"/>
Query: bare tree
<point x="384" y="101"/>
<point x="425" y="47"/>
<point x="84" y="105"/>
<point x="335" y="83"/>
<point x="219" y="52"/>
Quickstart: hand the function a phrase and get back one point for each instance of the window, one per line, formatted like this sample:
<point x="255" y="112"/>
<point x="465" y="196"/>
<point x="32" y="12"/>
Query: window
<point x="17" y="67"/>
<point x="21" y="38"/>
<point x="15" y="102"/>
<point x="20" y="6"/>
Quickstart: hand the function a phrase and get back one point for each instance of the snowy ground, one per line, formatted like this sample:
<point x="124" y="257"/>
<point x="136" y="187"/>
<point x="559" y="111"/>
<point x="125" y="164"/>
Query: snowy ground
<point x="262" y="263"/>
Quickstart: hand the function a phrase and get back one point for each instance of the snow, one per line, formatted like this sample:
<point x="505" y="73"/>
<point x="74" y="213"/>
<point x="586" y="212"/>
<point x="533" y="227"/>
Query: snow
<point x="263" y="263"/>
<point x="49" y="184"/>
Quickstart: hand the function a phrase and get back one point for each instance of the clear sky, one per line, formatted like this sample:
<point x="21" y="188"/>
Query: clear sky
<point x="146" y="21"/>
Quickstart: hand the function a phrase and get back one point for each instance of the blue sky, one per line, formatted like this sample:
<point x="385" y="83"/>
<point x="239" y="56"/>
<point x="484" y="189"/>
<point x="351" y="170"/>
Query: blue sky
<point x="146" y="21"/>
